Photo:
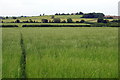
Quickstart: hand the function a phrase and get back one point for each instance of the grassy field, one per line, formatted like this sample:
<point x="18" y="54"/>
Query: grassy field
<point x="61" y="52"/>
<point x="11" y="53"/>
<point x="0" y="52"/>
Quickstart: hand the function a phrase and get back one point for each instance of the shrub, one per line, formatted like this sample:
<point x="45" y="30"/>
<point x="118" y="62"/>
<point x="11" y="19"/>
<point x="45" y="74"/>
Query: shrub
<point x="82" y="21"/>
<point x="44" y="21"/>
<point x="100" y="20"/>
<point x="77" y="21"/>
<point x="69" y="20"/>
<point x="105" y="21"/>
<point x="56" y="20"/>
<point x="17" y="21"/>
<point x="52" y="17"/>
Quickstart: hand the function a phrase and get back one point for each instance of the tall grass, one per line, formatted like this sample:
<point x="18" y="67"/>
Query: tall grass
<point x="0" y="53"/>
<point x="71" y="52"/>
<point x="11" y="53"/>
<point x="61" y="52"/>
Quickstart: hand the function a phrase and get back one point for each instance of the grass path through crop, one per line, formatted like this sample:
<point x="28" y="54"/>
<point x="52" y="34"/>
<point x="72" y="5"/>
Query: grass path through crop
<point x="23" y="58"/>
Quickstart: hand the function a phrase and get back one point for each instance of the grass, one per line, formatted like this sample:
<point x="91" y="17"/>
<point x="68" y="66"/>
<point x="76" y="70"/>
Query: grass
<point x="0" y="52"/>
<point x="62" y="52"/>
<point x="11" y="53"/>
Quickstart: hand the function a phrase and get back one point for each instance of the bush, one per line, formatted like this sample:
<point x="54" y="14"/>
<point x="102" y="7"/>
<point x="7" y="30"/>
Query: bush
<point x="17" y="21"/>
<point x="44" y="21"/>
<point x="105" y="21"/>
<point x="100" y="20"/>
<point x="69" y="20"/>
<point x="52" y="17"/>
<point x="9" y="25"/>
<point x="82" y="21"/>
<point x="56" y="20"/>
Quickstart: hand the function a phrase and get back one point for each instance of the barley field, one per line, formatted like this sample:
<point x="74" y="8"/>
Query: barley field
<point x="60" y="52"/>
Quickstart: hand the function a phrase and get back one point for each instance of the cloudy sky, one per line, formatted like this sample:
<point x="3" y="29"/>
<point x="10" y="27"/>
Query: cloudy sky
<point x="36" y="7"/>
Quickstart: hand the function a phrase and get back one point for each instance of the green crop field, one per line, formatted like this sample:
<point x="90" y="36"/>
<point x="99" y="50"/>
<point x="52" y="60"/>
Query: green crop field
<point x="79" y="52"/>
<point x="0" y="53"/>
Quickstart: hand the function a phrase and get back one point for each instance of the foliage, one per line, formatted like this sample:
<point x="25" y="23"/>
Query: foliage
<point x="69" y="20"/>
<point x="44" y="21"/>
<point x="93" y="15"/>
<point x="82" y="21"/>
<point x="17" y="21"/>
<point x="56" y="20"/>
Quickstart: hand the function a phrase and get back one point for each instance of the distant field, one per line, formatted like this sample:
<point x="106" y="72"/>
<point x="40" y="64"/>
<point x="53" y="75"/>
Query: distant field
<point x="62" y="17"/>
<point x="49" y="17"/>
<point x="61" y="52"/>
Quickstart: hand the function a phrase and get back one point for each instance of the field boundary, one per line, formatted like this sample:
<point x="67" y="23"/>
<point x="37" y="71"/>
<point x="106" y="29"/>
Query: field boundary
<point x="56" y="26"/>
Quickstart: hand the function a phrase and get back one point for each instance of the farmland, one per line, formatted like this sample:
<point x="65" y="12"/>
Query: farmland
<point x="62" y="17"/>
<point x="62" y="21"/>
<point x="60" y="52"/>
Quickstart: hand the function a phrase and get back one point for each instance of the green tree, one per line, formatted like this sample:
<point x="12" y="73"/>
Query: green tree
<point x="69" y="20"/>
<point x="100" y="20"/>
<point x="17" y="21"/>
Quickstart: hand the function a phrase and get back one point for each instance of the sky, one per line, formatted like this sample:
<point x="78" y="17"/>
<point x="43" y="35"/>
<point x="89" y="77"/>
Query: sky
<point x="49" y="7"/>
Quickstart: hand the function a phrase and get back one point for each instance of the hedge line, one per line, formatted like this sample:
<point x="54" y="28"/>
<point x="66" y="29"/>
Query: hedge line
<point x="56" y="26"/>
<point x="106" y="25"/>
<point x="8" y="25"/>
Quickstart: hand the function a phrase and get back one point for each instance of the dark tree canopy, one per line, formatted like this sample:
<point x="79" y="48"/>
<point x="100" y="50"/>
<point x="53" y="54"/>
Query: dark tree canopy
<point x="69" y="20"/>
<point x="17" y="21"/>
<point x="93" y="15"/>
<point x="44" y="21"/>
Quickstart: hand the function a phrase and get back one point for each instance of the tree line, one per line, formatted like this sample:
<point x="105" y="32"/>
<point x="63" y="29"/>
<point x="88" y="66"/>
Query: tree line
<point x="78" y="13"/>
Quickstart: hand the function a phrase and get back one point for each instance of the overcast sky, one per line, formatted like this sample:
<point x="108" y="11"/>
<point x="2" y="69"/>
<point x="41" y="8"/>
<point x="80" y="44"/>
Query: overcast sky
<point x="36" y="7"/>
